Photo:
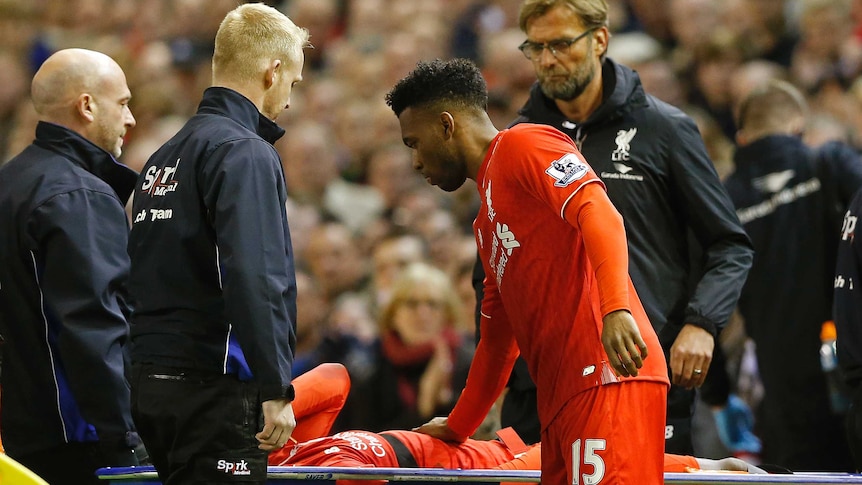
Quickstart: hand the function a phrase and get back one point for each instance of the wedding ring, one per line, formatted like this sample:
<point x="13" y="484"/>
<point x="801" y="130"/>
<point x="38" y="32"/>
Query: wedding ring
<point x="698" y="371"/>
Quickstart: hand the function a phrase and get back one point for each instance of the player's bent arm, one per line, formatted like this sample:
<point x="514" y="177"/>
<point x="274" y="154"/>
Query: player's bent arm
<point x="489" y="372"/>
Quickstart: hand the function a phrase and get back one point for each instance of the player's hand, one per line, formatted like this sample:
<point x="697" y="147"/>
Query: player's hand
<point x="278" y="424"/>
<point x="623" y="343"/>
<point x="690" y="356"/>
<point x="439" y="428"/>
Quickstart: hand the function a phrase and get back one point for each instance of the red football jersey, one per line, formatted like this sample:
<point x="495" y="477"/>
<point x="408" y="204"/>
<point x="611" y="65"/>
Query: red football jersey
<point x="433" y="453"/>
<point x="542" y="293"/>
<point x="349" y="448"/>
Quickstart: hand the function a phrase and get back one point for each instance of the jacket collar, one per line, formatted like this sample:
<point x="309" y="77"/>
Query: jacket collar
<point x="85" y="154"/>
<point x="229" y="103"/>
<point x="622" y="92"/>
<point x="768" y="152"/>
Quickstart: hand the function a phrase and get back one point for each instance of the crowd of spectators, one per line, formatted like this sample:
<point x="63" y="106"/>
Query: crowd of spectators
<point x="357" y="211"/>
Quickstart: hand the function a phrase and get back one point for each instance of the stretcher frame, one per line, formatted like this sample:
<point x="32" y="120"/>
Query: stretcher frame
<point x="315" y="475"/>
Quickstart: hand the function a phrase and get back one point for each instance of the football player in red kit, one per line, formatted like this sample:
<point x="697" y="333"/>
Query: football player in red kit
<point x="557" y="287"/>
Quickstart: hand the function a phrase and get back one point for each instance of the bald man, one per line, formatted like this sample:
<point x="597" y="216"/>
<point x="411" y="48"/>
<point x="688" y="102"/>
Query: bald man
<point x="63" y="269"/>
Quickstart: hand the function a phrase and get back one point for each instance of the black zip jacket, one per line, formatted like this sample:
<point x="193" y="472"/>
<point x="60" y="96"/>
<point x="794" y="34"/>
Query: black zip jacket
<point x="63" y="267"/>
<point x="848" y="296"/>
<point x="652" y="159"/>
<point x="784" y="193"/>
<point x="212" y="279"/>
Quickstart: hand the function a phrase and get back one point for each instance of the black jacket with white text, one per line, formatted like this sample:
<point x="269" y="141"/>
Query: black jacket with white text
<point x="212" y="279"/>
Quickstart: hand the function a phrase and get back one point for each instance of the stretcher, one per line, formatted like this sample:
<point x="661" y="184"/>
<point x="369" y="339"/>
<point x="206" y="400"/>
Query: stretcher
<point x="311" y="475"/>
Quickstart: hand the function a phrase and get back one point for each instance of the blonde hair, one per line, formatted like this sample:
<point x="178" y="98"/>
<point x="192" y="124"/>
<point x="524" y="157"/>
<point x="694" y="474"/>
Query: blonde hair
<point x="250" y="36"/>
<point x="422" y="275"/>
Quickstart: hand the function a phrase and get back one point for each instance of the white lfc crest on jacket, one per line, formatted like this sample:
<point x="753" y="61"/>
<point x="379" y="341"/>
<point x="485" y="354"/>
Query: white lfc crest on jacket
<point x="623" y="141"/>
<point x="567" y="169"/>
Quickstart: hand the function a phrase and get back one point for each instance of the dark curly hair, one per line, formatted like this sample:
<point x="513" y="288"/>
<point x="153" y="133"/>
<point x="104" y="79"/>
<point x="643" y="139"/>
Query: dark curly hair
<point x="456" y="81"/>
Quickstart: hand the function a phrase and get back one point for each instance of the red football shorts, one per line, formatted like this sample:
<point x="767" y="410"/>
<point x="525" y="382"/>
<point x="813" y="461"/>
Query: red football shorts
<point x="611" y="434"/>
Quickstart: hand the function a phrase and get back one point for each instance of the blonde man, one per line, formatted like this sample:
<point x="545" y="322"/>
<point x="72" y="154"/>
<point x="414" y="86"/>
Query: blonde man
<point x="212" y="280"/>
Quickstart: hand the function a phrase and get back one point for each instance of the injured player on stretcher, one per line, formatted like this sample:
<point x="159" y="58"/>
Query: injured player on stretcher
<point x="321" y="393"/>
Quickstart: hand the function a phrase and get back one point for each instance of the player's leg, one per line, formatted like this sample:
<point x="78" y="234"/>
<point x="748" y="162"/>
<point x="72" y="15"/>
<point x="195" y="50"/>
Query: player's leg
<point x="320" y="395"/>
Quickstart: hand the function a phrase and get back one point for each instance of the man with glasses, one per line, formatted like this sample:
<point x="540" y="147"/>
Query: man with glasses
<point x="659" y="176"/>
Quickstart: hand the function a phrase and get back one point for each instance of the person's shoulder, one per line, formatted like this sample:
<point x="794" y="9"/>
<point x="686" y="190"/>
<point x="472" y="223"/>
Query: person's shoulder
<point x="837" y="150"/>
<point x="62" y="176"/>
<point x="529" y="134"/>
<point x="659" y="114"/>
<point x="217" y="128"/>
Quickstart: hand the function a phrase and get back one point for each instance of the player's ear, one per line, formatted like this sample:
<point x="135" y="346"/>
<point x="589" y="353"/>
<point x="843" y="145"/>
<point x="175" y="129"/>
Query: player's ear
<point x="447" y="122"/>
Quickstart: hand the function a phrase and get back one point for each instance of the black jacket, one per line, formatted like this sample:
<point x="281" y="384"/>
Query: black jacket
<point x="792" y="200"/>
<point x="63" y="267"/>
<point x="652" y="159"/>
<point x="212" y="278"/>
<point x="784" y="193"/>
<point x="848" y="296"/>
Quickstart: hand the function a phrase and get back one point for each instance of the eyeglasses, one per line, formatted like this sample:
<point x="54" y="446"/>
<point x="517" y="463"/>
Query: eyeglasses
<point x="533" y="50"/>
<point x="414" y="303"/>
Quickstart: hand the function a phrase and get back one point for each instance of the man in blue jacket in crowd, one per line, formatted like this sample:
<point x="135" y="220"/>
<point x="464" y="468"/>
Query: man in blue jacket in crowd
<point x="63" y="269"/>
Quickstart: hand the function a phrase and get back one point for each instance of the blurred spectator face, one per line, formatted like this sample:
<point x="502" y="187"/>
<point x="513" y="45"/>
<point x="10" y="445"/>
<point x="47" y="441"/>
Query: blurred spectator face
<point x="366" y="18"/>
<point x="351" y="316"/>
<point x="506" y="71"/>
<point x="714" y="80"/>
<point x="15" y="83"/>
<point x="416" y="205"/>
<point x="655" y="17"/>
<point x="302" y="219"/>
<point x="769" y="13"/>
<point x="824" y="27"/>
<point x="423" y="304"/>
<point x="659" y="79"/>
<point x="390" y="257"/>
<point x="350" y="127"/>
<point x="441" y="234"/>
<point x="420" y="316"/>
<point x="692" y="21"/>
<point x="751" y="74"/>
<point x="390" y="172"/>
<point x="311" y="309"/>
<point x="144" y="145"/>
<point x="309" y="160"/>
<point x="321" y="18"/>
<point x="334" y="259"/>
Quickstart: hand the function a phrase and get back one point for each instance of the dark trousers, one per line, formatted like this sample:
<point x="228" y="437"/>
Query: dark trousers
<point x="677" y="431"/>
<point x="198" y="427"/>
<point x="71" y="463"/>
<point x="854" y="427"/>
